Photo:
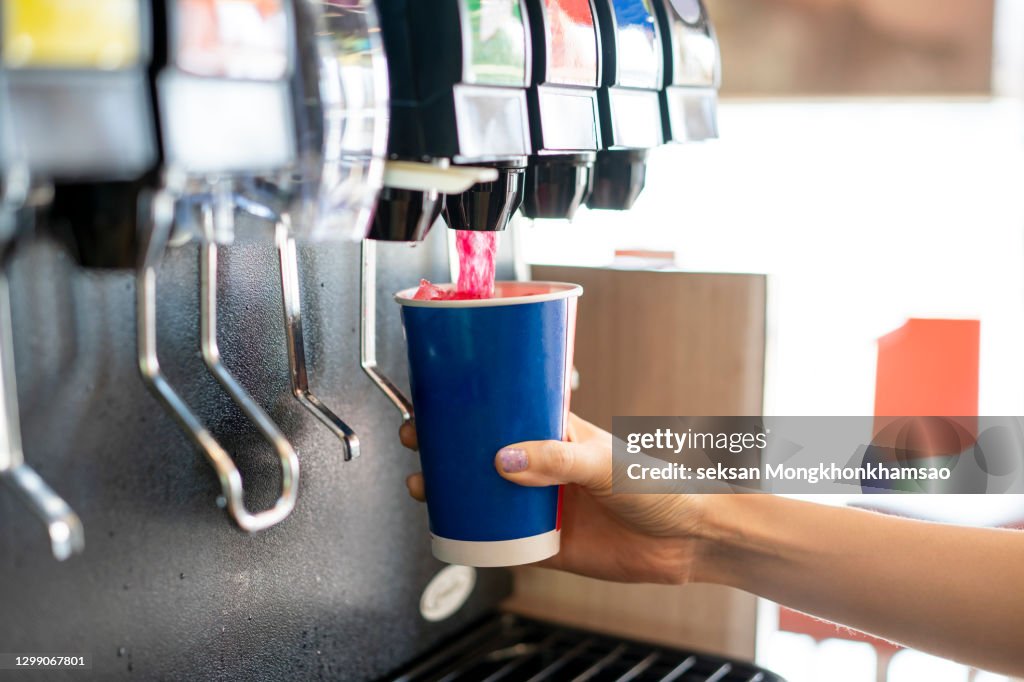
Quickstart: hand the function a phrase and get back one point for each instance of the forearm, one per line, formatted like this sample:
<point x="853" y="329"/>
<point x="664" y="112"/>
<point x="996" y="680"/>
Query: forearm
<point x="952" y="591"/>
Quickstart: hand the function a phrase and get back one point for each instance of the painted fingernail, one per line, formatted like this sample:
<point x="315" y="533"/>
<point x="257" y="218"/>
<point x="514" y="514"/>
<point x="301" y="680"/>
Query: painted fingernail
<point x="512" y="460"/>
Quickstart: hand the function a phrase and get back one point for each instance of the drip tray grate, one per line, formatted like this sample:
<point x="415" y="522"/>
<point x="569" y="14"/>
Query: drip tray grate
<point x="509" y="648"/>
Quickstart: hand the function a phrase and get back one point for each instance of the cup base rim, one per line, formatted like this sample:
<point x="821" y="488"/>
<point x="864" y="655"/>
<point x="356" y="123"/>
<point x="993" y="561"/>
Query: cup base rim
<point x="493" y="554"/>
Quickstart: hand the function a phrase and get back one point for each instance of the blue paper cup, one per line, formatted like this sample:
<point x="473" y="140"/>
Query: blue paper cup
<point x="485" y="374"/>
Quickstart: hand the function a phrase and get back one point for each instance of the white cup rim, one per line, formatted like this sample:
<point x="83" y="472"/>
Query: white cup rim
<point x="556" y="291"/>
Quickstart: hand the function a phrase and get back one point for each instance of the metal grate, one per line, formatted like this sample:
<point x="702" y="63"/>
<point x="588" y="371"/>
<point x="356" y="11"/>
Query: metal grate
<point x="508" y="648"/>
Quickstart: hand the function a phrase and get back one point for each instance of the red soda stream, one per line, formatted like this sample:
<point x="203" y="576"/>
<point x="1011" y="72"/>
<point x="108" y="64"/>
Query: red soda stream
<point x="477" y="249"/>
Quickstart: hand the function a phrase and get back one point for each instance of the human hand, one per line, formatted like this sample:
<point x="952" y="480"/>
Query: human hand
<point x="625" y="538"/>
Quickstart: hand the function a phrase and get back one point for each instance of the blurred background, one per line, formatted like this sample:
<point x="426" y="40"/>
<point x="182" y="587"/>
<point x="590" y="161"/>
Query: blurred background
<point x="871" y="163"/>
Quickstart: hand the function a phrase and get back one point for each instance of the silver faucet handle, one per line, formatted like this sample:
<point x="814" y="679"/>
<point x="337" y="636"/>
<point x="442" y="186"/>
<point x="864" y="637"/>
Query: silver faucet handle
<point x="233" y="496"/>
<point x="291" y="300"/>
<point x="63" y="525"/>
<point x="67" y="537"/>
<point x="368" y="332"/>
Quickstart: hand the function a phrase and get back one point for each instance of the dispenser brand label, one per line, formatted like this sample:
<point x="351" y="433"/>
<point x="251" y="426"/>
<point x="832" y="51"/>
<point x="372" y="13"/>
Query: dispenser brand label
<point x="637" y="54"/>
<point x="496" y="42"/>
<point x="245" y="39"/>
<point x="572" y="43"/>
<point x="75" y="34"/>
<point x="447" y="592"/>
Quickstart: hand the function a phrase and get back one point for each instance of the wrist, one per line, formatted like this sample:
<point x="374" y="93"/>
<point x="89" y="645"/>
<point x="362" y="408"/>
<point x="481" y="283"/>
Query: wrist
<point x="736" y="537"/>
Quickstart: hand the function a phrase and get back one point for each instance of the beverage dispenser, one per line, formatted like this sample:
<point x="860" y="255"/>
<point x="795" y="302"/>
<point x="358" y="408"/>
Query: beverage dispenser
<point x="77" y="138"/>
<point x="563" y="107"/>
<point x="339" y="93"/>
<point x="629" y="98"/>
<point x="225" y="60"/>
<point x="81" y="117"/>
<point x="459" y="131"/>
<point x="689" y="100"/>
<point x="459" y="71"/>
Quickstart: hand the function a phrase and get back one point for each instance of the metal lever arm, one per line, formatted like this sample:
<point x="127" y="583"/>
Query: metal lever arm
<point x="291" y="299"/>
<point x="211" y="356"/>
<point x="230" y="478"/>
<point x="368" y="331"/>
<point x="62" y="524"/>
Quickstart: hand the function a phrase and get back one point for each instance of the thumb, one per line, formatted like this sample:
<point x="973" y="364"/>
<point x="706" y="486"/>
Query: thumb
<point x="553" y="462"/>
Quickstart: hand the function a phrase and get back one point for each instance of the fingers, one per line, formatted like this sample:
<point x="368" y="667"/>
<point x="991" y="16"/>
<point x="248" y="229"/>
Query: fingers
<point x="407" y="434"/>
<point x="553" y="462"/>
<point x="415" y="485"/>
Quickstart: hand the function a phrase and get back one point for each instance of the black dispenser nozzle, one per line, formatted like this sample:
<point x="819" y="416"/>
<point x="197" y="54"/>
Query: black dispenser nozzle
<point x="487" y="206"/>
<point x="619" y="177"/>
<point x="556" y="186"/>
<point x="405" y="215"/>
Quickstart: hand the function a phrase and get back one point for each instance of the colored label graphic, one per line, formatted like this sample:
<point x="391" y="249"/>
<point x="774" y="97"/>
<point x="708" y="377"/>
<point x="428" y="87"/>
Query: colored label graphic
<point x="572" y="43"/>
<point x="77" y="34"/>
<point x="496" y="43"/>
<point x="245" y="39"/>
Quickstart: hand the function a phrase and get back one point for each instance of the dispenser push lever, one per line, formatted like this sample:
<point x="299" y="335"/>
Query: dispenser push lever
<point x="368" y="331"/>
<point x="420" y="177"/>
<point x="291" y="299"/>
<point x="63" y="525"/>
<point x="162" y="218"/>
<point x="211" y="356"/>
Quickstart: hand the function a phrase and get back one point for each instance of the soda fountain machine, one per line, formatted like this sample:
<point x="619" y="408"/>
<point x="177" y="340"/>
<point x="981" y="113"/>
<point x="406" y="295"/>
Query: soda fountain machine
<point x="64" y="70"/>
<point x="272" y="126"/>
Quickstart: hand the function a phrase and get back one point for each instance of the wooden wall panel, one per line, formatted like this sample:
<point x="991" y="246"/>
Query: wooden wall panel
<point x="658" y="343"/>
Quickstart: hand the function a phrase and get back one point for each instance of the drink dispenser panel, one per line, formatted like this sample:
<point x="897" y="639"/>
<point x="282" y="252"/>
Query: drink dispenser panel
<point x="630" y="100"/>
<point x="471" y="92"/>
<point x="563" y="107"/>
<point x="228" y="60"/>
<point x="633" y="75"/>
<point x="459" y="71"/>
<point x="75" y="75"/>
<point x="693" y="71"/>
<point x="563" y="99"/>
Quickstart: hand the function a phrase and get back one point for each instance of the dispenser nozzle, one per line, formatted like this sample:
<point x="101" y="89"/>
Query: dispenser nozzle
<point x="488" y="205"/>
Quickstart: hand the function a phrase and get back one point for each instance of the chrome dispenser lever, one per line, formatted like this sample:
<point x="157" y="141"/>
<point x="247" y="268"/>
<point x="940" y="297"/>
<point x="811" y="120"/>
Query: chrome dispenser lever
<point x="162" y="219"/>
<point x="368" y="331"/>
<point x="211" y="356"/>
<point x="291" y="300"/>
<point x="421" y="178"/>
<point x="63" y="525"/>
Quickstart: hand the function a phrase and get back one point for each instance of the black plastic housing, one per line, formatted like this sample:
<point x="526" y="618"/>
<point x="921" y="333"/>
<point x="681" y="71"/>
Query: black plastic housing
<point x="619" y="177"/>
<point x="487" y="205"/>
<point x="556" y="186"/>
<point x="403" y="215"/>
